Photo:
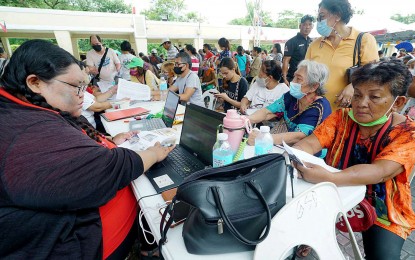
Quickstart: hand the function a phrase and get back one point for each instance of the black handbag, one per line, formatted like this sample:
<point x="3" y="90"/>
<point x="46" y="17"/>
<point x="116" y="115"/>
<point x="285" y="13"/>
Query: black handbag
<point x="231" y="205"/>
<point x="355" y="66"/>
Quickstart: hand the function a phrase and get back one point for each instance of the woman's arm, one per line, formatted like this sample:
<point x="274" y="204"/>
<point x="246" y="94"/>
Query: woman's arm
<point x="310" y="144"/>
<point x="101" y="97"/>
<point x="260" y="115"/>
<point x="289" y="137"/>
<point x="360" y="174"/>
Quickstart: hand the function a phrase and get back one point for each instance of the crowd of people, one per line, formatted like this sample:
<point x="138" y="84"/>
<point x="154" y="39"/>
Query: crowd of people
<point x="65" y="183"/>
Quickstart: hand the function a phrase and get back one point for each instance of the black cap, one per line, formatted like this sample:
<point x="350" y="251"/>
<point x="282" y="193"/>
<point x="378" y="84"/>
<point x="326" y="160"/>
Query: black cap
<point x="307" y="17"/>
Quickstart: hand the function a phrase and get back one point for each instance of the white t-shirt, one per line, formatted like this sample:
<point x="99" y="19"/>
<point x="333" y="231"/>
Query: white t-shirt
<point x="108" y="70"/>
<point x="89" y="100"/>
<point x="263" y="96"/>
<point x="191" y="80"/>
<point x="125" y="71"/>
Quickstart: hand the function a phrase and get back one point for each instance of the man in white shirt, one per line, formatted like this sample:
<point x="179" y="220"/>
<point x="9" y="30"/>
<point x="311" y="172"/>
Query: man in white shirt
<point x="125" y="58"/>
<point x="170" y="48"/>
<point x="110" y="66"/>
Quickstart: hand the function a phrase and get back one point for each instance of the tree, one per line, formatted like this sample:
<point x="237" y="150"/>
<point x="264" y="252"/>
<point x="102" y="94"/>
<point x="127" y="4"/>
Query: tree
<point x="105" y="6"/>
<point x="288" y="19"/>
<point x="410" y="18"/>
<point x="171" y="10"/>
<point x="249" y="19"/>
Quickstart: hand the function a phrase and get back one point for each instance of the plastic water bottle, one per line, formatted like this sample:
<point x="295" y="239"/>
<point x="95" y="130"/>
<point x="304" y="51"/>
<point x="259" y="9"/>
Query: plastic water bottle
<point x="163" y="88"/>
<point x="264" y="141"/>
<point x="222" y="152"/>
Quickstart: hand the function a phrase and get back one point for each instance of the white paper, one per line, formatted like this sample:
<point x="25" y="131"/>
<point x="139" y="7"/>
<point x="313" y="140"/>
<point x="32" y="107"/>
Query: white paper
<point x="163" y="181"/>
<point x="132" y="90"/>
<point x="306" y="157"/>
<point x="147" y="139"/>
<point x="104" y="86"/>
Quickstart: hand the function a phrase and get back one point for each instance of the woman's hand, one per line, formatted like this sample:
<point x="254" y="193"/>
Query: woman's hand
<point x="160" y="151"/>
<point x="223" y="96"/>
<point x="122" y="137"/>
<point x="243" y="108"/>
<point x="251" y="138"/>
<point x="345" y="97"/>
<point x="313" y="173"/>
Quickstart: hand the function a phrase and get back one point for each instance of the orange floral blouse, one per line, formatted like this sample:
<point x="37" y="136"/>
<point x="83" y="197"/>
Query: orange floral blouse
<point x="393" y="197"/>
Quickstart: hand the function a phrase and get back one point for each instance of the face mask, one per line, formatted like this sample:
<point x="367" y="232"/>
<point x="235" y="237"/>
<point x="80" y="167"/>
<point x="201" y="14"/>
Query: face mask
<point x="97" y="48"/>
<point x="323" y="29"/>
<point x="412" y="71"/>
<point x="134" y="72"/>
<point x="262" y="82"/>
<point x="383" y="119"/>
<point x="178" y="70"/>
<point x="295" y="90"/>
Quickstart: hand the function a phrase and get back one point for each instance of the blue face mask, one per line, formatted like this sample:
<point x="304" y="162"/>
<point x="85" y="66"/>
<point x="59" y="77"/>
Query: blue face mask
<point x="323" y="29"/>
<point x="295" y="90"/>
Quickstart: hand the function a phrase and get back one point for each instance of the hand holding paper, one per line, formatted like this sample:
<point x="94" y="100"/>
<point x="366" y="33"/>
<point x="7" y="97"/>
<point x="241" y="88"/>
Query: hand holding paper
<point x="132" y="90"/>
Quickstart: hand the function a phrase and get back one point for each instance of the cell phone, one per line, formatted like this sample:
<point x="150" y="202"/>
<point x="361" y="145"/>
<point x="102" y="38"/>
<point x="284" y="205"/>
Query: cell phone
<point x="181" y="210"/>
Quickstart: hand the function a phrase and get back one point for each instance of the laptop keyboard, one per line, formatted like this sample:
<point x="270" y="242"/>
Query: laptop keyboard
<point x="183" y="164"/>
<point x="154" y="123"/>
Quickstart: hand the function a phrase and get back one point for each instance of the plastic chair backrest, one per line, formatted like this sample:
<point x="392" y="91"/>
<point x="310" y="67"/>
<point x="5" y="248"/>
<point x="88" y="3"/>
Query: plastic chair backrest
<point x="212" y="99"/>
<point x="308" y="219"/>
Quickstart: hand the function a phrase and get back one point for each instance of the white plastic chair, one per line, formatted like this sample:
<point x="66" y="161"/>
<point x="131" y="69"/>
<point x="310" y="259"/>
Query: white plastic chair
<point x="308" y="219"/>
<point x="212" y="100"/>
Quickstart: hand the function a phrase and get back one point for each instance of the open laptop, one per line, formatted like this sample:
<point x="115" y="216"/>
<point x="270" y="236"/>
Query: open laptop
<point x="194" y="151"/>
<point x="166" y="120"/>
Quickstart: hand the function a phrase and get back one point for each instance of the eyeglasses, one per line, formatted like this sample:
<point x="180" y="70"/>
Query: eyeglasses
<point x="176" y="64"/>
<point x="81" y="88"/>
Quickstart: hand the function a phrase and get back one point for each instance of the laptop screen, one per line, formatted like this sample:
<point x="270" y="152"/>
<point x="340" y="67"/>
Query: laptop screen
<point x="170" y="108"/>
<point x="199" y="131"/>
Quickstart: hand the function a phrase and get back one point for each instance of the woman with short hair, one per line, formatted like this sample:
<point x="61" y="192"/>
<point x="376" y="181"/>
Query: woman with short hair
<point x="302" y="108"/>
<point x="379" y="91"/>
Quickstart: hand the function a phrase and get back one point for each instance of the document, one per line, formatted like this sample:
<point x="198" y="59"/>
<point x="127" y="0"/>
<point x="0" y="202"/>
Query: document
<point x="301" y="157"/>
<point x="146" y="139"/>
<point x="133" y="91"/>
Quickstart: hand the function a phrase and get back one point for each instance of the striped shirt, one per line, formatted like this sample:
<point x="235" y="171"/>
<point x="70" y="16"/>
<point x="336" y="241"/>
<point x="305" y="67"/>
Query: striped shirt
<point x="195" y="64"/>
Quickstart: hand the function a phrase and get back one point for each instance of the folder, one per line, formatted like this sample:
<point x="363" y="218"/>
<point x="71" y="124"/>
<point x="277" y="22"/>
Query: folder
<point x="125" y="113"/>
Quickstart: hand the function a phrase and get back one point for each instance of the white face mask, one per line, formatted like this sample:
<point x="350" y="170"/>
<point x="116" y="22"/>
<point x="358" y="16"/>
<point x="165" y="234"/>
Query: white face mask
<point x="412" y="71"/>
<point x="262" y="82"/>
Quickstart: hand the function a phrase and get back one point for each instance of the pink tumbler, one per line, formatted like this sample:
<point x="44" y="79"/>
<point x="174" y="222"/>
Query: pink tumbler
<point x="235" y="125"/>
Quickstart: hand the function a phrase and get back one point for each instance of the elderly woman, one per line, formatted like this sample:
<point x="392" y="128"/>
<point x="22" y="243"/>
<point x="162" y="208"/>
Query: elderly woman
<point x="335" y="48"/>
<point x="65" y="187"/>
<point x="142" y="75"/>
<point x="302" y="108"/>
<point x="379" y="90"/>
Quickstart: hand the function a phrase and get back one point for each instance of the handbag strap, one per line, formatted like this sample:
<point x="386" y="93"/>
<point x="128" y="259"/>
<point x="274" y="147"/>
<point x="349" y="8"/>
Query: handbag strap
<point x="165" y="227"/>
<point x="357" y="49"/>
<point x="229" y="224"/>
<point x="102" y="62"/>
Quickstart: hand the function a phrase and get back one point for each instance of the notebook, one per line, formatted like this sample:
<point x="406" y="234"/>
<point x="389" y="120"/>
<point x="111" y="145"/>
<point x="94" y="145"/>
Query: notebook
<point x="194" y="151"/>
<point x="125" y="113"/>
<point x="166" y="120"/>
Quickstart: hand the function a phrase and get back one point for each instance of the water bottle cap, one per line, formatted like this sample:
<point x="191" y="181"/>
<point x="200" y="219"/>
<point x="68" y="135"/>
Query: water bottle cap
<point x="264" y="129"/>
<point x="222" y="136"/>
<point x="232" y="113"/>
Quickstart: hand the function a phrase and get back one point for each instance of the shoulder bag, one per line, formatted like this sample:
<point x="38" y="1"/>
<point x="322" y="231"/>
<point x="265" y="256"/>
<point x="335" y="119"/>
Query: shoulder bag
<point x="96" y="78"/>
<point x="232" y="206"/>
<point x="363" y="215"/>
<point x="355" y="66"/>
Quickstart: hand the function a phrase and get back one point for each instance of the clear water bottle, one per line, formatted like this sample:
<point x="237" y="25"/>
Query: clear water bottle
<point x="264" y="141"/>
<point x="222" y="151"/>
<point x="163" y="88"/>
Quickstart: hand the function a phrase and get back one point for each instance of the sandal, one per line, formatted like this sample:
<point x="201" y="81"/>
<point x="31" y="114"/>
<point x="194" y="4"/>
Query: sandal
<point x="303" y="251"/>
<point x="151" y="254"/>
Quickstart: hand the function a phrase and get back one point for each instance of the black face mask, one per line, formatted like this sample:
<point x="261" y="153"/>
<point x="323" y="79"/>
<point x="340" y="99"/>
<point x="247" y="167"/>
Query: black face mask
<point x="97" y="48"/>
<point x="178" y="70"/>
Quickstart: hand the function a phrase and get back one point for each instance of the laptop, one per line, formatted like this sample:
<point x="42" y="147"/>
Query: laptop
<point x="166" y="120"/>
<point x="194" y="151"/>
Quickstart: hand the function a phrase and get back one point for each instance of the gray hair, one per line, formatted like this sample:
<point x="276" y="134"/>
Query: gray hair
<point x="185" y="58"/>
<point x="317" y="73"/>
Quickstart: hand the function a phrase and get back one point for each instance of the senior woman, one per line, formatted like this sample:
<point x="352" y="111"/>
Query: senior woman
<point x="302" y="108"/>
<point x="65" y="187"/>
<point x="379" y="90"/>
<point x="335" y="49"/>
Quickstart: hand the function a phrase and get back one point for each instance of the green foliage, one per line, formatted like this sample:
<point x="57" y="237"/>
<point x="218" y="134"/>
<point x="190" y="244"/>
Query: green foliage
<point x="288" y="19"/>
<point x="160" y="49"/>
<point x="84" y="46"/>
<point x="248" y="19"/>
<point x="408" y="19"/>
<point x="16" y="42"/>
<point x="106" y="6"/>
<point x="172" y="10"/>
